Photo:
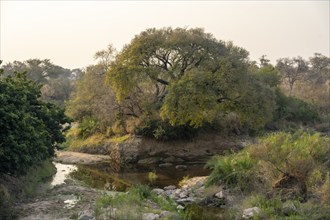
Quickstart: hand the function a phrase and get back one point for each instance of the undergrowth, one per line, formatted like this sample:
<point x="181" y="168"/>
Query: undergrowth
<point x="131" y="205"/>
<point x="281" y="169"/>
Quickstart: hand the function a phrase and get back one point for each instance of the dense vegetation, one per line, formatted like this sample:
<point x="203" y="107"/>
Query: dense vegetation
<point x="30" y="128"/>
<point x="281" y="169"/>
<point x="172" y="83"/>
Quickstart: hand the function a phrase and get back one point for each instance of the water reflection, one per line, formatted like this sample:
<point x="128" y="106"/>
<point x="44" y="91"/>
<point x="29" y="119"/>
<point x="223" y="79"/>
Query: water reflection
<point x="63" y="171"/>
<point x="102" y="176"/>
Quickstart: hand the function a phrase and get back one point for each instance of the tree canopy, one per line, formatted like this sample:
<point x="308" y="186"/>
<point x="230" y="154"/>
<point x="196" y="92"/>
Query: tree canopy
<point x="187" y="76"/>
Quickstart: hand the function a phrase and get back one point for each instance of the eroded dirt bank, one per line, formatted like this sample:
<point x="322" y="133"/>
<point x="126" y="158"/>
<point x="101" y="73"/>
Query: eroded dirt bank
<point x="135" y="148"/>
<point x="69" y="157"/>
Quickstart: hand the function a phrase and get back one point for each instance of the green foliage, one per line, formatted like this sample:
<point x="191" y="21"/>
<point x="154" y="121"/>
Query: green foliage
<point x="93" y="104"/>
<point x="30" y="129"/>
<point x="293" y="109"/>
<point x="268" y="75"/>
<point x="164" y="131"/>
<point x="152" y="176"/>
<point x="56" y="81"/>
<point x="301" y="156"/>
<point x="187" y="78"/>
<point x="233" y="170"/>
<point x="37" y="174"/>
<point x="275" y="208"/>
<point x="87" y="127"/>
<point x="295" y="154"/>
<point x="131" y="205"/>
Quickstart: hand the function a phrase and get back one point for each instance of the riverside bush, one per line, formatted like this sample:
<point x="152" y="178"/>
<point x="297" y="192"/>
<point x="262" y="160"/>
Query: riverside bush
<point x="283" y="167"/>
<point x="233" y="170"/>
<point x="30" y="129"/>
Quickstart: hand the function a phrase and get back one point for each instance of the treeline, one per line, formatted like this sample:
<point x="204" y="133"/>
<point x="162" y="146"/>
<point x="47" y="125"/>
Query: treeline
<point x="170" y="83"/>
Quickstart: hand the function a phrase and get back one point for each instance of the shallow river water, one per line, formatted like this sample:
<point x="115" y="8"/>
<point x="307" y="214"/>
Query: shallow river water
<point x="102" y="176"/>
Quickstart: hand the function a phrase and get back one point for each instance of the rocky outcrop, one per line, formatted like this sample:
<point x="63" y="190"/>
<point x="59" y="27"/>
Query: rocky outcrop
<point x="193" y="191"/>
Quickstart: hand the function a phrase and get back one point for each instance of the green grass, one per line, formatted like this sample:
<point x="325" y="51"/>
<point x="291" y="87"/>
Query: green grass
<point x="233" y="170"/>
<point x="36" y="175"/>
<point x="276" y="166"/>
<point x="119" y="139"/>
<point x="131" y="205"/>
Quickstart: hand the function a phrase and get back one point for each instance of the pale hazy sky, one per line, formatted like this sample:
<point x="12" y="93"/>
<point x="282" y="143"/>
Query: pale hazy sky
<point x="70" y="32"/>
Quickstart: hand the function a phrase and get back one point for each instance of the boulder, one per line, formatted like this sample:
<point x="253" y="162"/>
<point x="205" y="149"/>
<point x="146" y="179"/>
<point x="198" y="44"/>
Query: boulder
<point x="169" y="215"/>
<point x="158" y="191"/>
<point x="219" y="195"/>
<point x="183" y="194"/>
<point x="171" y="187"/>
<point x="289" y="208"/>
<point x="150" y="216"/>
<point x="165" y="165"/>
<point x="180" y="207"/>
<point x="85" y="215"/>
<point x="251" y="212"/>
<point x="150" y="160"/>
<point x="181" y="167"/>
<point x="186" y="200"/>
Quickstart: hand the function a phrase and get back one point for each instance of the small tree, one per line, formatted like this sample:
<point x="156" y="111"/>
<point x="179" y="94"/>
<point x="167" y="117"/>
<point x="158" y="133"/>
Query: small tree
<point x="292" y="70"/>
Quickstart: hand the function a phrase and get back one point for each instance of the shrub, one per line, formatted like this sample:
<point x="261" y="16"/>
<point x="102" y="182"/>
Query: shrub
<point x="164" y="131"/>
<point x="233" y="170"/>
<point x="29" y="128"/>
<point x="295" y="165"/>
<point x="131" y="205"/>
<point x="293" y="109"/>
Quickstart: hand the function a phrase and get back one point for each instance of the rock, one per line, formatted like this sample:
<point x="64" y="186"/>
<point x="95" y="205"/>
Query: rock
<point x="85" y="215"/>
<point x="169" y="215"/>
<point x="199" y="184"/>
<point x="186" y="200"/>
<point x="180" y="207"/>
<point x="174" y="196"/>
<point x="172" y="159"/>
<point x="169" y="192"/>
<point x="181" y="167"/>
<point x="200" y="192"/>
<point x="213" y="202"/>
<point x="219" y="195"/>
<point x="183" y="194"/>
<point x="289" y="208"/>
<point x="158" y="191"/>
<point x="251" y="212"/>
<point x="165" y="165"/>
<point x="171" y="187"/>
<point x="150" y="216"/>
<point x="150" y="160"/>
<point x="164" y="214"/>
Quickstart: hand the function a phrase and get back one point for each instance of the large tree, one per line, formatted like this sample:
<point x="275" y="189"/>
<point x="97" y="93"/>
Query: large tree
<point x="186" y="76"/>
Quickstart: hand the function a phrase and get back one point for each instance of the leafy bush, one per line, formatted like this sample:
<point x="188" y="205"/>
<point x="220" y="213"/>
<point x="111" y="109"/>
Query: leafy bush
<point x="233" y="170"/>
<point x="296" y="155"/>
<point x="30" y="129"/>
<point x="164" y="131"/>
<point x="293" y="109"/>
<point x="131" y="205"/>
<point x="87" y="127"/>
<point x="286" y="160"/>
